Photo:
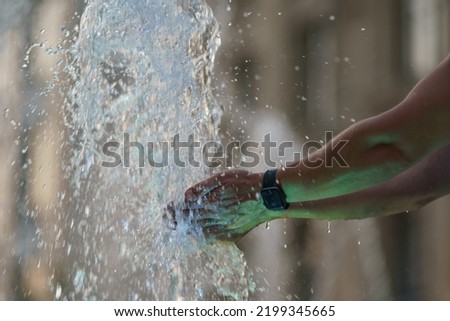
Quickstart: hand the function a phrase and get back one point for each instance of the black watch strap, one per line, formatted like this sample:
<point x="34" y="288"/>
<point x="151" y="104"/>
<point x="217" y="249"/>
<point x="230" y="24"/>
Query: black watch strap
<point x="272" y="193"/>
<point x="270" y="178"/>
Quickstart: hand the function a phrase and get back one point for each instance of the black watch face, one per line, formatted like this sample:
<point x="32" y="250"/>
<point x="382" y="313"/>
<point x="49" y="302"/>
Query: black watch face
<point x="273" y="198"/>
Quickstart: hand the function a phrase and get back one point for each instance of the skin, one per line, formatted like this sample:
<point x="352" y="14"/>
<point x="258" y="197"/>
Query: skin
<point x="397" y="161"/>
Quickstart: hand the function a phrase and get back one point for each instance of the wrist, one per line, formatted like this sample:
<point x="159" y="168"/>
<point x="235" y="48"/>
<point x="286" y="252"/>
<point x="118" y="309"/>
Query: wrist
<point x="272" y="193"/>
<point x="290" y="179"/>
<point x="254" y="184"/>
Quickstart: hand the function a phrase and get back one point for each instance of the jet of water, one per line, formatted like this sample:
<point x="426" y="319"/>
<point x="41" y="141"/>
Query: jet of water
<point x="142" y="68"/>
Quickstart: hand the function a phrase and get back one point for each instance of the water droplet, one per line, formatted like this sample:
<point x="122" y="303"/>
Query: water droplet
<point x="78" y="280"/>
<point x="332" y="18"/>
<point x="58" y="291"/>
<point x="363" y="29"/>
<point x="199" y="293"/>
<point x="267" y="225"/>
<point x="6" y="112"/>
<point x="65" y="31"/>
<point x="329" y="227"/>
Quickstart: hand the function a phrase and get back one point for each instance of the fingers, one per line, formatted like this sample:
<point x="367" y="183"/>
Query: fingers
<point x="196" y="211"/>
<point x="205" y="187"/>
<point x="213" y="218"/>
<point x="225" y="201"/>
<point x="220" y="187"/>
<point x="218" y="195"/>
<point x="212" y="223"/>
<point x="230" y="180"/>
<point x="169" y="216"/>
<point x="221" y="233"/>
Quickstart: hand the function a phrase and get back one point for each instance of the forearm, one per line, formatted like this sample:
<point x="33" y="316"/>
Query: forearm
<point x="372" y="202"/>
<point x="419" y="185"/>
<point x="366" y="159"/>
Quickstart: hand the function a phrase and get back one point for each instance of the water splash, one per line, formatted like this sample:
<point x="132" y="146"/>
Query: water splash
<point x="143" y="68"/>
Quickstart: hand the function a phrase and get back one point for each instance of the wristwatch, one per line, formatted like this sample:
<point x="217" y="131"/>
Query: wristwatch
<point x="272" y="193"/>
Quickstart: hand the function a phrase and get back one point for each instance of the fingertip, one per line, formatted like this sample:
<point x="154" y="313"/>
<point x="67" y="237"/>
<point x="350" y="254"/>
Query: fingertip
<point x="170" y="221"/>
<point x="189" y="195"/>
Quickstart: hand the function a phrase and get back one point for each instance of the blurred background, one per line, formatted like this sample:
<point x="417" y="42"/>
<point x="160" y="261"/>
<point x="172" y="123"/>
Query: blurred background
<point x="292" y="68"/>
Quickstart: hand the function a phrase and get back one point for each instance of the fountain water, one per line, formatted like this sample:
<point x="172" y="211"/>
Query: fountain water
<point x="142" y="68"/>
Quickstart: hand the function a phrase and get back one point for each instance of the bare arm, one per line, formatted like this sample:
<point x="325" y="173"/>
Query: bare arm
<point x="412" y="189"/>
<point x="417" y="186"/>
<point x="380" y="147"/>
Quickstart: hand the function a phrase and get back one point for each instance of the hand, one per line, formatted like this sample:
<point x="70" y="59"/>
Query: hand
<point x="225" y="189"/>
<point x="229" y="223"/>
<point x="226" y="205"/>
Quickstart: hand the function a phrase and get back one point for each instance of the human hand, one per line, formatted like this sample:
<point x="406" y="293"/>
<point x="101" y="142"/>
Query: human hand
<point x="226" y="205"/>
<point x="225" y="189"/>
